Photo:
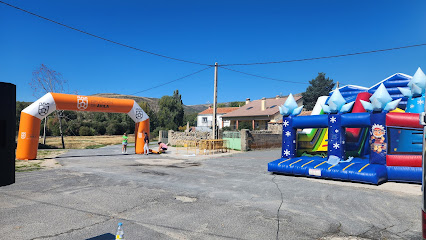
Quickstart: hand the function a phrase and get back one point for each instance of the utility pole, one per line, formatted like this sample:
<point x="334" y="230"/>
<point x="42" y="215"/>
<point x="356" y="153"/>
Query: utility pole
<point x="214" y="124"/>
<point x="337" y="85"/>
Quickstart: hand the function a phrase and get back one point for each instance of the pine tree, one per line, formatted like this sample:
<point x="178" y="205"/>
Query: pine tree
<point x="320" y="86"/>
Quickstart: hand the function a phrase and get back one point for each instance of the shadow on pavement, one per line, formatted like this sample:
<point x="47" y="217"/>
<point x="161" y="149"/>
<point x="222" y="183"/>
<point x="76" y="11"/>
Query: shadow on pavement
<point x="106" y="236"/>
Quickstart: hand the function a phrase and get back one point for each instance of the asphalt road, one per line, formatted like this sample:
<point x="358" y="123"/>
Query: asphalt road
<point x="173" y="196"/>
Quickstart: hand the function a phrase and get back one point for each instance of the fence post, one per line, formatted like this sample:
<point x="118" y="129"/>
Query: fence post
<point x="244" y="140"/>
<point x="171" y="137"/>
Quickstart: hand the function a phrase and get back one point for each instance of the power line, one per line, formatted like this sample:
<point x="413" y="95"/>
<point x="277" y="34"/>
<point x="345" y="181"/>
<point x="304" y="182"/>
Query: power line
<point x="192" y="62"/>
<point x="102" y="38"/>
<point x="258" y="76"/>
<point x="172" y="81"/>
<point x="327" y="57"/>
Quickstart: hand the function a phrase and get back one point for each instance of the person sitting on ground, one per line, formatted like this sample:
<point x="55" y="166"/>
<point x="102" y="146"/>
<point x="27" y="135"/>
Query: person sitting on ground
<point x="162" y="147"/>
<point x="124" y="148"/>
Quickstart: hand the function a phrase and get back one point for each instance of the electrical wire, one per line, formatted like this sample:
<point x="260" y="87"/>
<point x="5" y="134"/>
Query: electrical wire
<point x="258" y="76"/>
<point x="327" y="57"/>
<point x="102" y="38"/>
<point x="232" y="64"/>
<point x="172" y="80"/>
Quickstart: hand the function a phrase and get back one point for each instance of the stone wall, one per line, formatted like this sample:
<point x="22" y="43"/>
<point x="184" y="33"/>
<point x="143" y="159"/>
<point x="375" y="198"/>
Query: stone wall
<point x="249" y="139"/>
<point x="266" y="139"/>
<point x="177" y="138"/>
<point x="260" y="139"/>
<point x="276" y="128"/>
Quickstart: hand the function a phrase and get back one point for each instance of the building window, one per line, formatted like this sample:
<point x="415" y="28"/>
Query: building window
<point x="204" y="119"/>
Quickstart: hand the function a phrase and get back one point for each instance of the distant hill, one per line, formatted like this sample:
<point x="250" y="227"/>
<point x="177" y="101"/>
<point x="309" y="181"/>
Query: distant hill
<point x="153" y="102"/>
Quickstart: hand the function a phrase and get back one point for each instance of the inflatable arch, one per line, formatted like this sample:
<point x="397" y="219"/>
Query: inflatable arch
<point x="29" y="127"/>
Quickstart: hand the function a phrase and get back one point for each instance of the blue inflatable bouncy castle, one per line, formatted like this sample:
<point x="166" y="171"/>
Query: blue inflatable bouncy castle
<point x="390" y="136"/>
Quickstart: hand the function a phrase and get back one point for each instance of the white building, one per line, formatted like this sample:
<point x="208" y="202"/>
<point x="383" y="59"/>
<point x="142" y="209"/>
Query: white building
<point x="205" y="118"/>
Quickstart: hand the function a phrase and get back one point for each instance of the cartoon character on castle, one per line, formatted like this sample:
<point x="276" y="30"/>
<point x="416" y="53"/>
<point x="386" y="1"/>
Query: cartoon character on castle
<point x="377" y="140"/>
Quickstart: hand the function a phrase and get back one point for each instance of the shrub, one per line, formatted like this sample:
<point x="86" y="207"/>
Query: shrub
<point x="114" y="128"/>
<point x="226" y="129"/>
<point x="245" y="125"/>
<point x="86" y="131"/>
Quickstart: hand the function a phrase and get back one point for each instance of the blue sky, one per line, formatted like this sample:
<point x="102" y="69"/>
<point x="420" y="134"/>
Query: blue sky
<point x="207" y="32"/>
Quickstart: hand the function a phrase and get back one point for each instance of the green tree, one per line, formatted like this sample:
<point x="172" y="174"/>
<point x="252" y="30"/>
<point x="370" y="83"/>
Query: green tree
<point x="245" y="125"/>
<point x="191" y="118"/>
<point x="170" y="115"/>
<point x="320" y="86"/>
<point x="86" y="131"/>
<point x="237" y="104"/>
<point x="114" y="128"/>
<point x="153" y="119"/>
<point x="221" y="105"/>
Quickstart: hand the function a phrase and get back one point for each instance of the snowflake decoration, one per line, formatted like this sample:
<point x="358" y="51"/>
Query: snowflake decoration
<point x="336" y="131"/>
<point x="411" y="106"/>
<point x="333" y="119"/>
<point x="420" y="101"/>
<point x="285" y="123"/>
<point x="288" y="133"/>
<point x="286" y="152"/>
<point x="336" y="146"/>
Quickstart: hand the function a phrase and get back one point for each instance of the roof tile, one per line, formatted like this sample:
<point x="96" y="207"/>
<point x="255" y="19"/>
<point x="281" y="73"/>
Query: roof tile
<point x="219" y="110"/>
<point x="254" y="107"/>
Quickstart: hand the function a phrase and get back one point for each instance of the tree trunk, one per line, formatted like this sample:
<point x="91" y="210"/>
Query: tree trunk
<point x="44" y="131"/>
<point x="60" y="131"/>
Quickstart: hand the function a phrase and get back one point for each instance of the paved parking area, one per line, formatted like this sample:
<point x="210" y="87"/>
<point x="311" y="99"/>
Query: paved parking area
<point x="173" y="196"/>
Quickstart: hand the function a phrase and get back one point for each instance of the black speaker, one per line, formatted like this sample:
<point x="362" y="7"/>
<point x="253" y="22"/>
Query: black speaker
<point x="7" y="133"/>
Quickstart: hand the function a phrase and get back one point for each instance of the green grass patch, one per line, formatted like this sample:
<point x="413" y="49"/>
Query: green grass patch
<point x="28" y="167"/>
<point x="95" y="146"/>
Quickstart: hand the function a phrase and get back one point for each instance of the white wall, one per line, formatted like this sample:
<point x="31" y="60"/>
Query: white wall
<point x="209" y="122"/>
<point x="201" y="123"/>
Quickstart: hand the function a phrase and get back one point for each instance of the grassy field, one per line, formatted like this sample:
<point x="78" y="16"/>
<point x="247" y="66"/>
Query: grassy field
<point x="45" y="159"/>
<point x="86" y="142"/>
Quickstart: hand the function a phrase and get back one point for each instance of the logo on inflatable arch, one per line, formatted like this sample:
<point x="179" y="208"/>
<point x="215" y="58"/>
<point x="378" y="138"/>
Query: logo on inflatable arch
<point x="82" y="103"/>
<point x="43" y="109"/>
<point x="23" y="135"/>
<point x="139" y="113"/>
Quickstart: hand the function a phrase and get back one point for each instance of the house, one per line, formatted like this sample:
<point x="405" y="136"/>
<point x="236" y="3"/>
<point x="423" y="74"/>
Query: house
<point x="259" y="113"/>
<point x="205" y="118"/>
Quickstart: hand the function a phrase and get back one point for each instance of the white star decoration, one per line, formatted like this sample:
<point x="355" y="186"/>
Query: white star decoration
<point x="336" y="131"/>
<point x="333" y="119"/>
<point x="286" y="152"/>
<point x="285" y="123"/>
<point x="336" y="146"/>
<point x="288" y="133"/>
<point x="411" y="106"/>
<point x="420" y="101"/>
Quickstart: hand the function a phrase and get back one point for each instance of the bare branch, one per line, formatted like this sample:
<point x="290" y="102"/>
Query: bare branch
<point x="46" y="80"/>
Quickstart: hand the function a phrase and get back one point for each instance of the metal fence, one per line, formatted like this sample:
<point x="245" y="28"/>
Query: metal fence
<point x="203" y="147"/>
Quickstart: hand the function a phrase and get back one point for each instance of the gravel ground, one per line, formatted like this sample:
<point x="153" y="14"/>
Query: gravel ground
<point x="224" y="196"/>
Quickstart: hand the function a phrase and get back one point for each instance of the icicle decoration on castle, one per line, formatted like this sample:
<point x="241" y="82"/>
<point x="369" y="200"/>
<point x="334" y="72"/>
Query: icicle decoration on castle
<point x="289" y="110"/>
